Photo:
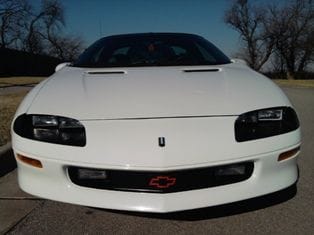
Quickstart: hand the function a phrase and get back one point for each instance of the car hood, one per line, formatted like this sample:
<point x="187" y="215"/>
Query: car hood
<point x="152" y="92"/>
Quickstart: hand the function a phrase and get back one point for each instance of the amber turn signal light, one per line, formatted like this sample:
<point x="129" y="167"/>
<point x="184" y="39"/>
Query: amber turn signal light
<point x="30" y="161"/>
<point x="288" y="154"/>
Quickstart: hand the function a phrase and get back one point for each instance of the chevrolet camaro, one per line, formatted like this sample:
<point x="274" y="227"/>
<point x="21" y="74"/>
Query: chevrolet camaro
<point x="155" y="122"/>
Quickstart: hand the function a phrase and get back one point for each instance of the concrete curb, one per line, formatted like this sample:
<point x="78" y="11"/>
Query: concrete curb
<point x="7" y="160"/>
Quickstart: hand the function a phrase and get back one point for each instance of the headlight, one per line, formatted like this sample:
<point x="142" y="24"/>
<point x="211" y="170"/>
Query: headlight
<point x="51" y="129"/>
<point x="265" y="123"/>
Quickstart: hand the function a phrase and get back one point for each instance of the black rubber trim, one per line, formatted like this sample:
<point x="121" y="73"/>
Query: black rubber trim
<point x="105" y="72"/>
<point x="161" y="182"/>
<point x="200" y="70"/>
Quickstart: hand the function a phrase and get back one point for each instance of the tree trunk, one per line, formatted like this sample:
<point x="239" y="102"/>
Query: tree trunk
<point x="290" y="75"/>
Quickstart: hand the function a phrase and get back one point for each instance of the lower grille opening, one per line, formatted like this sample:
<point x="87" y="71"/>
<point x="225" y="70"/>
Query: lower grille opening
<point x="161" y="181"/>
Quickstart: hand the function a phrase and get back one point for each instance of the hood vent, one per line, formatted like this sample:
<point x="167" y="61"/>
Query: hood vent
<point x="105" y="72"/>
<point x="200" y="70"/>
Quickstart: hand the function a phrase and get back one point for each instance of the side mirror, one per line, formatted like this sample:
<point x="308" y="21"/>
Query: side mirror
<point x="239" y="61"/>
<point x="61" y="66"/>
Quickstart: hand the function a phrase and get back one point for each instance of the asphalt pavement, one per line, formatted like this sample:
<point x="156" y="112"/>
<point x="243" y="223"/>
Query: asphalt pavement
<point x="281" y="213"/>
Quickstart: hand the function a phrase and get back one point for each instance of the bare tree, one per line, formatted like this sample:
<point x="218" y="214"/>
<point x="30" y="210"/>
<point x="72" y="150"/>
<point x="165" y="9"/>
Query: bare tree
<point x="12" y="14"/>
<point x="252" y="25"/>
<point x="37" y="30"/>
<point x="293" y="29"/>
<point x="67" y="48"/>
<point x="50" y="10"/>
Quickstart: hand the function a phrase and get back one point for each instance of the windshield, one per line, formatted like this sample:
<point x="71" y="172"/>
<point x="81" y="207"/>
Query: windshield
<point x="151" y="49"/>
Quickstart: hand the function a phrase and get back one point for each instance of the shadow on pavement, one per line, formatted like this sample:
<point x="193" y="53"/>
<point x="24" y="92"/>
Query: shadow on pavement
<point x="7" y="163"/>
<point x="224" y="210"/>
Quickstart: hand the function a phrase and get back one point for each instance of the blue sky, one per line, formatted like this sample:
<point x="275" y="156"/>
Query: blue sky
<point x="96" y="18"/>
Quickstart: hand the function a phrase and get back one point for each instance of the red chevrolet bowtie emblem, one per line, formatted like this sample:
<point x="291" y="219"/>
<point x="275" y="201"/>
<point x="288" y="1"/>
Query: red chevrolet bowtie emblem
<point x="162" y="181"/>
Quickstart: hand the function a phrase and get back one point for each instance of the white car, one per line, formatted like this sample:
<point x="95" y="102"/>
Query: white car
<point x="155" y="122"/>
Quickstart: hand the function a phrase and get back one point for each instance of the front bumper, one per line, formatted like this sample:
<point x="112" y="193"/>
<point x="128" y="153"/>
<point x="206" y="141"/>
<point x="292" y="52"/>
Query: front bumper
<point x="53" y="182"/>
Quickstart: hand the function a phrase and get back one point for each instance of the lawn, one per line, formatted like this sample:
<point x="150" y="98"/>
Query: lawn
<point x="8" y="106"/>
<point x="19" y="81"/>
<point x="295" y="83"/>
<point x="9" y="101"/>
